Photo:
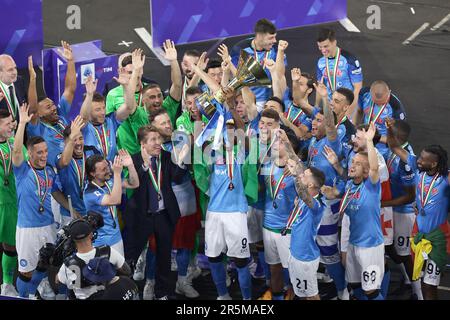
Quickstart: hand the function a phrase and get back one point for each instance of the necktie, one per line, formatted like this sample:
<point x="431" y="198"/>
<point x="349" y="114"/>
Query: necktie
<point x="154" y="203"/>
<point x="12" y="98"/>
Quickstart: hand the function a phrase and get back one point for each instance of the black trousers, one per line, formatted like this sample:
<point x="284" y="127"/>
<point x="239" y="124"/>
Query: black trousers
<point x="163" y="231"/>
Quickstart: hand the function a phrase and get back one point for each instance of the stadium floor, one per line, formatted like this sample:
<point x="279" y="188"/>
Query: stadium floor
<point x="418" y="73"/>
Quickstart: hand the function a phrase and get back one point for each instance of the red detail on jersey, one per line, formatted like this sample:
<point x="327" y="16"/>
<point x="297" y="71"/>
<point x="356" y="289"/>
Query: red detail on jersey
<point x="386" y="193"/>
<point x="356" y="195"/>
<point x="434" y="191"/>
<point x="385" y="225"/>
<point x="314" y="152"/>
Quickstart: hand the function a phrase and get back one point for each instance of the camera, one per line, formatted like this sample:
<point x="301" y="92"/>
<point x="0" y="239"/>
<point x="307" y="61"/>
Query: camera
<point x="53" y="254"/>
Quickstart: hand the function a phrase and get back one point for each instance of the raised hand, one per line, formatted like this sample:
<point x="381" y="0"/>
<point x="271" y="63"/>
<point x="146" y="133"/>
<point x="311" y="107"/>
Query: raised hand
<point x="330" y="155"/>
<point x="75" y="127"/>
<point x="296" y="74"/>
<point x="292" y="166"/>
<point x="390" y="123"/>
<point x="23" y="113"/>
<point x="225" y="66"/>
<point x="329" y="192"/>
<point x="170" y="50"/>
<point x="145" y="156"/>
<point x="321" y="89"/>
<point x="91" y="85"/>
<point x="31" y="71"/>
<point x="184" y="154"/>
<point x="282" y="45"/>
<point x="370" y="133"/>
<point x="125" y="158"/>
<point x="202" y="61"/>
<point x="117" y="165"/>
<point x="138" y="59"/>
<point x="66" y="52"/>
<point x="222" y="52"/>
<point x="124" y="78"/>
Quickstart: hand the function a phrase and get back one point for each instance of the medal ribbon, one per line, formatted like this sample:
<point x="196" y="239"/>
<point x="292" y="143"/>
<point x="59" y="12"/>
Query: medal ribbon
<point x="58" y="130"/>
<point x="296" y="213"/>
<point x="230" y="164"/>
<point x="6" y="165"/>
<point x="340" y="121"/>
<point x="289" y="114"/>
<point x="112" y="210"/>
<point x="393" y="156"/>
<point x="278" y="184"/>
<point x="38" y="179"/>
<point x="378" y="114"/>
<point x="79" y="171"/>
<point x="332" y="80"/>
<point x="423" y="201"/>
<point x="257" y="59"/>
<point x="348" y="197"/>
<point x="156" y="181"/>
<point x="101" y="137"/>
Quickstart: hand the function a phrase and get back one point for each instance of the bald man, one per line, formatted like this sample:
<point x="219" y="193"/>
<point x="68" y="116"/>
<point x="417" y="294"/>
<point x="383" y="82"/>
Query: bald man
<point x="12" y="87"/>
<point x="374" y="106"/>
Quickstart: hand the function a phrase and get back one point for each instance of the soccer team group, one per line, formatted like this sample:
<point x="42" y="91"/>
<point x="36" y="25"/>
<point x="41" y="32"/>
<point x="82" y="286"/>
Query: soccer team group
<point x="320" y="171"/>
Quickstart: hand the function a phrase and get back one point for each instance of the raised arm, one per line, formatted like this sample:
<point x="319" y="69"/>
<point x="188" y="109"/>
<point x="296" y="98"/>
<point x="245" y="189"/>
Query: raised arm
<point x="393" y="143"/>
<point x="356" y="89"/>
<point x="32" y="92"/>
<point x="223" y="53"/>
<point x="373" y="159"/>
<point x="201" y="64"/>
<point x="210" y="82"/>
<point x="299" y="96"/>
<point x="130" y="84"/>
<point x="17" y="153"/>
<point x="280" y="66"/>
<point x="278" y="80"/>
<point x="176" y="88"/>
<point x="115" y="197"/>
<point x="133" y="180"/>
<point x="250" y="101"/>
<point x="75" y="131"/>
<point x="85" y="110"/>
<point x="70" y="84"/>
<point x="330" y="125"/>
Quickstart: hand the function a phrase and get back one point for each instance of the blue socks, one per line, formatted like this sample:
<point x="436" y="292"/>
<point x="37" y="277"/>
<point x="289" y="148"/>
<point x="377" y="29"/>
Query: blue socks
<point x="36" y="280"/>
<point x="219" y="277"/>
<point x="263" y="263"/>
<point x="337" y="273"/>
<point x="150" y="265"/>
<point x="182" y="257"/>
<point x="385" y="283"/>
<point x="23" y="284"/>
<point x="245" y="282"/>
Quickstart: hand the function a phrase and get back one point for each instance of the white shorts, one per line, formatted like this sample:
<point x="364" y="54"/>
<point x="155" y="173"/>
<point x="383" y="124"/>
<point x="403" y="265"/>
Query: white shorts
<point x="226" y="233"/>
<point x="276" y="247"/>
<point x="303" y="276"/>
<point x="387" y="227"/>
<point x="28" y="243"/>
<point x="255" y="219"/>
<point x="365" y="266"/>
<point x="118" y="247"/>
<point x="403" y="225"/>
<point x="345" y="232"/>
<point x="432" y="273"/>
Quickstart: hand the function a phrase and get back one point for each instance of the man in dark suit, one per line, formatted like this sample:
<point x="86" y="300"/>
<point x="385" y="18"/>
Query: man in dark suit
<point x="13" y="91"/>
<point x="153" y="208"/>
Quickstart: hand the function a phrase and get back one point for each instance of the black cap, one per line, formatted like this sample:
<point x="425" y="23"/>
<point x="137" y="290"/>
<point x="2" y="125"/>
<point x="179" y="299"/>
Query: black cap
<point x="79" y="229"/>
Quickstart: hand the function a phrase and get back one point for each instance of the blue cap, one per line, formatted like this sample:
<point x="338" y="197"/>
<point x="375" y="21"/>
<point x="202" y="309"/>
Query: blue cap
<point x="99" y="270"/>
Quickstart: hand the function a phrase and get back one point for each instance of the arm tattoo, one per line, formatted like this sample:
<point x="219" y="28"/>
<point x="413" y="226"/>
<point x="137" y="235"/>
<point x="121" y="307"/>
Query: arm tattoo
<point x="303" y="193"/>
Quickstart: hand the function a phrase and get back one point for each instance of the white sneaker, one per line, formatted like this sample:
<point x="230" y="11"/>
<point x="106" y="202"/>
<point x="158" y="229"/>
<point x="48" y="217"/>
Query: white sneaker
<point x="225" y="297"/>
<point x="149" y="290"/>
<point x="185" y="288"/>
<point x="193" y="272"/>
<point x="9" y="290"/>
<point x="45" y="290"/>
<point x="139" y="271"/>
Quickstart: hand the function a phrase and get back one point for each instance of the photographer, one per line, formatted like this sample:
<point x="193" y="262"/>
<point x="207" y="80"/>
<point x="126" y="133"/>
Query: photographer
<point x="70" y="273"/>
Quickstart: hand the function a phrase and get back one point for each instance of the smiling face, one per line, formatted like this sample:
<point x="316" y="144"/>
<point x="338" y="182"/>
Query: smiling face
<point x="359" y="167"/>
<point x="78" y="146"/>
<point x="6" y="127"/>
<point x="38" y="155"/>
<point x="327" y="48"/>
<point x="192" y="107"/>
<point x="318" y="126"/>
<point x="186" y="65"/>
<point x="47" y="111"/>
<point x="163" y="124"/>
<point x="338" y="104"/>
<point x="265" y="40"/>
<point x="152" y="99"/>
<point x="426" y="161"/>
<point x="102" y="171"/>
<point x="98" y="112"/>
<point x="152" y="143"/>
<point x="266" y="126"/>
